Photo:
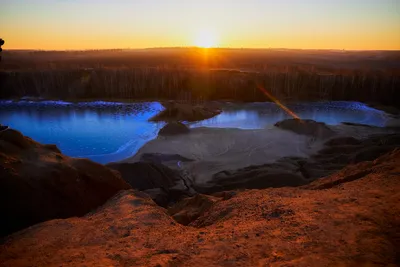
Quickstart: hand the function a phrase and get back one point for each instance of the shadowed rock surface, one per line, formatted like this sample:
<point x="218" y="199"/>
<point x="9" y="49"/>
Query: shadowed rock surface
<point x="173" y="128"/>
<point x="163" y="184"/>
<point x="185" y="112"/>
<point x="284" y="172"/>
<point x="347" y="219"/>
<point x="146" y="175"/>
<point x="295" y="171"/>
<point x="38" y="183"/>
<point x="306" y="127"/>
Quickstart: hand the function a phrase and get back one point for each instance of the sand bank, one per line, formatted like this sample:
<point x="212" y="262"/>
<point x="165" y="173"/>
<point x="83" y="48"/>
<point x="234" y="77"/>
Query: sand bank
<point x="212" y="150"/>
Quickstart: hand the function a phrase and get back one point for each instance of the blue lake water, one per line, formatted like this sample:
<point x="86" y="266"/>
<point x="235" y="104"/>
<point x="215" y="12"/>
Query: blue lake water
<point x="106" y="131"/>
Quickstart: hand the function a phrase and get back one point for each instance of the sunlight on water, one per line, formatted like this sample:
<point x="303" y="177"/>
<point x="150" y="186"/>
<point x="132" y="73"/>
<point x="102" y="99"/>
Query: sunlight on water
<point x="109" y="131"/>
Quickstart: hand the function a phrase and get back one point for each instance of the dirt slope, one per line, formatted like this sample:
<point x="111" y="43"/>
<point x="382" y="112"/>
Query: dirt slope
<point x="350" y="218"/>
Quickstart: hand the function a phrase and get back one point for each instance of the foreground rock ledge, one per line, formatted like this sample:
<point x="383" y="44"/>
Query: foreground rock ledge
<point x="38" y="183"/>
<point x="347" y="219"/>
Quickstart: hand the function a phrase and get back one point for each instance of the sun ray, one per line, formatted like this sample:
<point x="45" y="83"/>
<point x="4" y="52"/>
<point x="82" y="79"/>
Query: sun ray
<point x="276" y="101"/>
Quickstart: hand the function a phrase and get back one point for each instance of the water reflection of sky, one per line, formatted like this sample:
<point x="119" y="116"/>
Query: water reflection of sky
<point x="103" y="133"/>
<point x="260" y="115"/>
<point x="107" y="132"/>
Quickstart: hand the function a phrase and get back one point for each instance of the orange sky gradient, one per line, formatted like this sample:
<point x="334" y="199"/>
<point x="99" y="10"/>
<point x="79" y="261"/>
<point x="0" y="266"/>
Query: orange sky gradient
<point x="304" y="24"/>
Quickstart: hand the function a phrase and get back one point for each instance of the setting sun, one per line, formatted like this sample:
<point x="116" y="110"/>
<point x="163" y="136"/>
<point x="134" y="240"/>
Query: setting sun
<point x="206" y="39"/>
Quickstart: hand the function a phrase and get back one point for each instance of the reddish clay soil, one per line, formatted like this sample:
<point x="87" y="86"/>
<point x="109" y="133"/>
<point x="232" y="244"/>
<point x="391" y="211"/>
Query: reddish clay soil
<point x="38" y="183"/>
<point x="351" y="218"/>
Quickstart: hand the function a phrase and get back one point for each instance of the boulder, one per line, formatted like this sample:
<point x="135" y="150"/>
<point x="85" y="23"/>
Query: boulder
<point x="146" y="175"/>
<point x="174" y="128"/>
<point x="185" y="112"/>
<point x="284" y="172"/>
<point x="166" y="185"/>
<point x="306" y="127"/>
<point x="37" y="183"/>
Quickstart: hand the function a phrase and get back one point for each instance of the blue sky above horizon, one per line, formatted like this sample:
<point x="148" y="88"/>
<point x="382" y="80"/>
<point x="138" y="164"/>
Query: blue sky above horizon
<point x="89" y="24"/>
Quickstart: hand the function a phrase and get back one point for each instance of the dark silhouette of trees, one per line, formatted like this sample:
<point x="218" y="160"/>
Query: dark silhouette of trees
<point x="197" y="85"/>
<point x="1" y="43"/>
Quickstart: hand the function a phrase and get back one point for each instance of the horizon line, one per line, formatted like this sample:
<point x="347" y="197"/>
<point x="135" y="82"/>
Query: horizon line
<point x="197" y="47"/>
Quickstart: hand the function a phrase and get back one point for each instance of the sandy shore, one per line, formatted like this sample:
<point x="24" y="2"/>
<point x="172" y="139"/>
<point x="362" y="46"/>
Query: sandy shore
<point x="217" y="149"/>
<point x="213" y="150"/>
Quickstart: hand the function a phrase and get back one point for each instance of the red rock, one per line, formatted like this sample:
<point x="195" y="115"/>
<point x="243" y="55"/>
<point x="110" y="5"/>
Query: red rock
<point x="189" y="209"/>
<point x="37" y="183"/>
<point x="351" y="222"/>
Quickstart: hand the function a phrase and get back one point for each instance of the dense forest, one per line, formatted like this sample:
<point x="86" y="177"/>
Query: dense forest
<point x="202" y="75"/>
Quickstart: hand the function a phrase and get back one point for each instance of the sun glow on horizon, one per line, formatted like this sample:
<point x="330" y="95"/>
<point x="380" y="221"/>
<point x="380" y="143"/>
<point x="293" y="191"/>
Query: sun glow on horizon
<point x="206" y="39"/>
<point x="302" y="24"/>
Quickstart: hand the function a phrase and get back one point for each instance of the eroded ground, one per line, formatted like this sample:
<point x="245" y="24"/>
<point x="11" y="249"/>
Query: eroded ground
<point x="348" y="219"/>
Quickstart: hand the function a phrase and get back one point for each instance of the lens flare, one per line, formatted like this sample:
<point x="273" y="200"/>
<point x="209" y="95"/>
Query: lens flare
<point x="276" y="101"/>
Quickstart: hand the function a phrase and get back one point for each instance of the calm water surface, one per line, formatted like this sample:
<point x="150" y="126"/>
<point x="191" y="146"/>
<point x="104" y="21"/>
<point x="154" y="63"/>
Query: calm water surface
<point x="106" y="131"/>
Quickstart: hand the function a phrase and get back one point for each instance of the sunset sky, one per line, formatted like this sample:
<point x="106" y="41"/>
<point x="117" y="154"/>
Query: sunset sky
<point x="104" y="24"/>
